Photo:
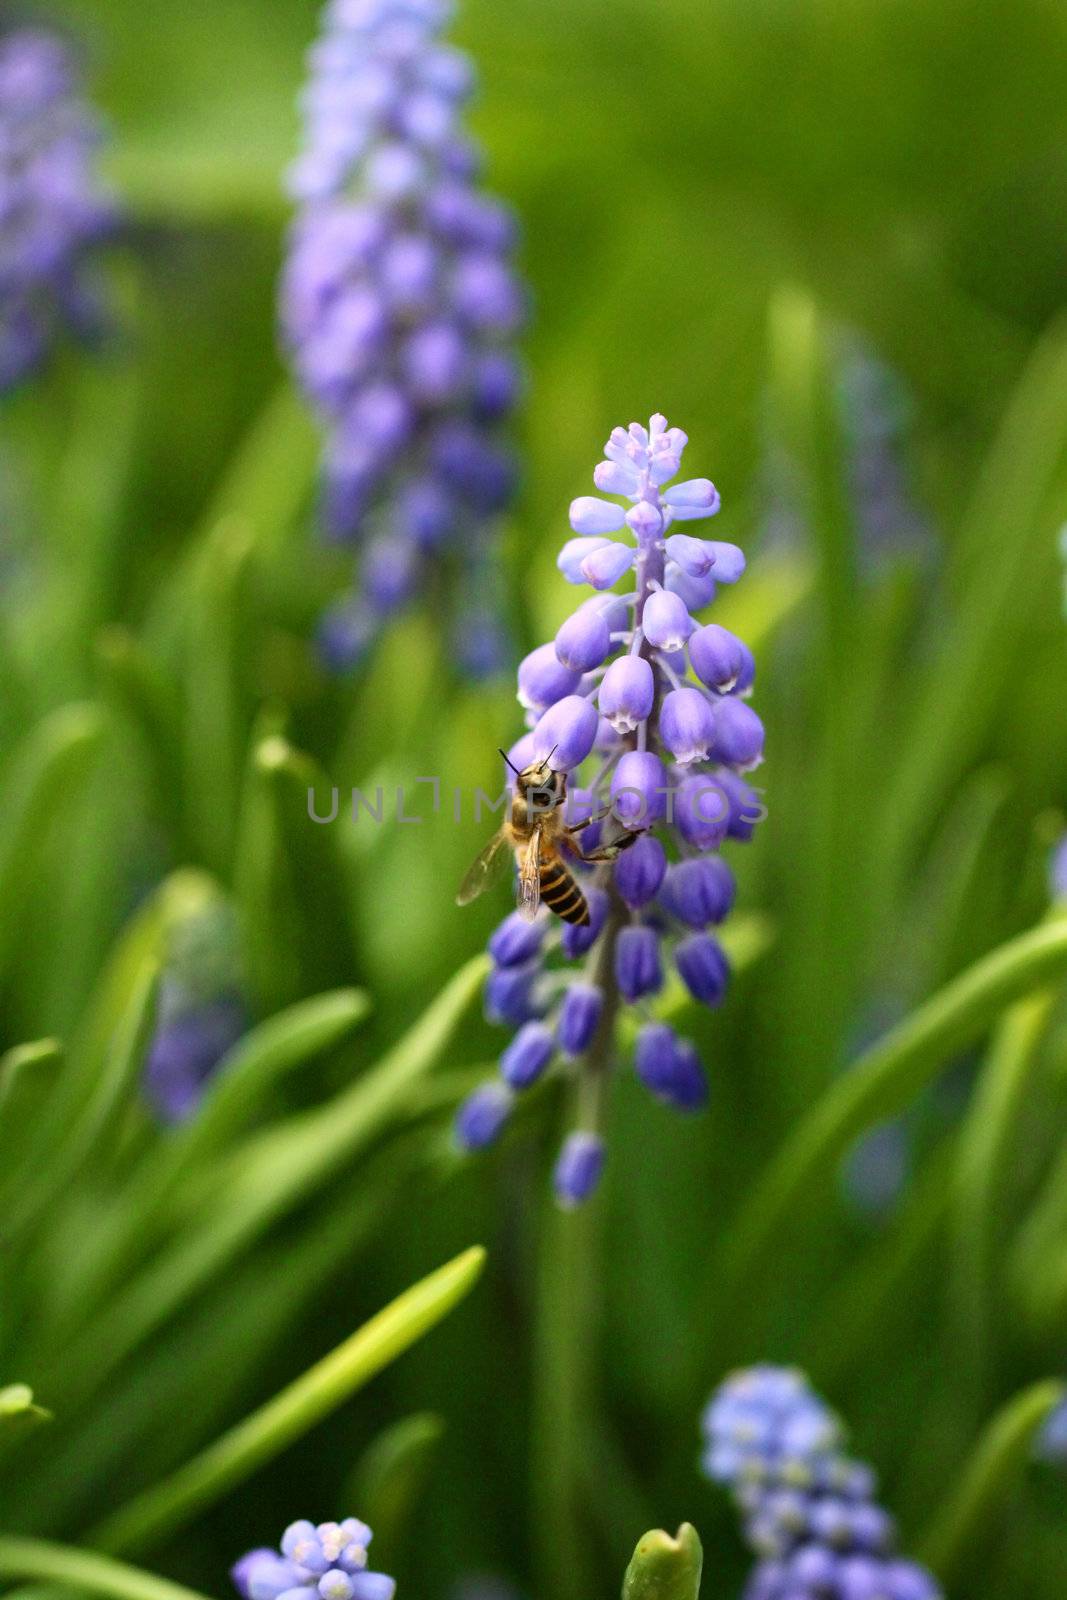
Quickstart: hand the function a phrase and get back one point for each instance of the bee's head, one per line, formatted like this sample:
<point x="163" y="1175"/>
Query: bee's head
<point x="541" y="787"/>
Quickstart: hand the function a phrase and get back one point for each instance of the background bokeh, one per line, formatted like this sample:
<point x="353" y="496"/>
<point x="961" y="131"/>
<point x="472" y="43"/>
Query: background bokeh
<point x="731" y="210"/>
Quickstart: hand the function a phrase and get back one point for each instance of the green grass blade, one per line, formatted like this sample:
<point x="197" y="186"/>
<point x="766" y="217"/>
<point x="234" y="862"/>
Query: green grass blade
<point x="294" y="912"/>
<point x="389" y="1479"/>
<point x="963" y="1528"/>
<point x="293" y="1412"/>
<point x="274" y="1172"/>
<point x="85" y="1572"/>
<point x="883" y="1082"/>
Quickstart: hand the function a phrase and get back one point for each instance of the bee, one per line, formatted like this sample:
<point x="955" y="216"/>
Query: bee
<point x="537" y="835"/>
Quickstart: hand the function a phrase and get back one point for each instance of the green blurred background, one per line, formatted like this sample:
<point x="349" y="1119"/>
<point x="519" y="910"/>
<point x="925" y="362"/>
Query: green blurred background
<point x="720" y="200"/>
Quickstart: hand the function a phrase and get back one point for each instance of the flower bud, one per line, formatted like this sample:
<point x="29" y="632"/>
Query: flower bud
<point x="578" y="1169"/>
<point x="578" y="1017"/>
<point x="588" y="515"/>
<point x="698" y="892"/>
<point x="669" y="1068"/>
<point x="639" y="871"/>
<point x="638" y="790"/>
<point x="738" y="734"/>
<point x="627" y="692"/>
<point x="637" y="964"/>
<point x="666" y="620"/>
<point x="516" y="940"/>
<point x="694" y="556"/>
<point x="569" y="561"/>
<point x="482" y="1116"/>
<point x="606" y="565"/>
<point x="565" y="733"/>
<point x="702" y="810"/>
<point x="717" y="656"/>
<point x="527" y="1056"/>
<point x="543" y="679"/>
<point x="703" y="968"/>
<point x="583" y="640"/>
<point x="687" y="725"/>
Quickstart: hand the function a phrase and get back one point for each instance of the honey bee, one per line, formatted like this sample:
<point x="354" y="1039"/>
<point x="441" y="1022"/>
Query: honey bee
<point x="537" y="834"/>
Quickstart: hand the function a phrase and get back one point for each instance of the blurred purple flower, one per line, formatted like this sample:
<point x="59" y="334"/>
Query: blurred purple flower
<point x="399" y="310"/>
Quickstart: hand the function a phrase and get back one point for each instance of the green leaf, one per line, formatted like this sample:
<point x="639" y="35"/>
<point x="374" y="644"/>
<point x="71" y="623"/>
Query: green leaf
<point x="121" y="1068"/>
<point x="49" y="770"/>
<point x="28" y="1076"/>
<point x="883" y="1082"/>
<point x="984" y="1174"/>
<point x="295" y="917"/>
<point x="663" y="1568"/>
<point x="964" y="1527"/>
<point x="84" y="1572"/>
<point x="293" y="1412"/>
<point x="274" y="1172"/>
<point x="388" y="1481"/>
<point x="141" y="694"/>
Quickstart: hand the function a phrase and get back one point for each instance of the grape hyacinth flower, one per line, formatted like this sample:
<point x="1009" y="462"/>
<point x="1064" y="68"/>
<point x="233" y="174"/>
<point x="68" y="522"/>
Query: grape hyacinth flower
<point x="645" y="710"/>
<point x="324" y="1562"/>
<point x="201" y="1013"/>
<point x="399" y="312"/>
<point x="1057" y="871"/>
<point x="54" y="213"/>
<point x="809" y="1511"/>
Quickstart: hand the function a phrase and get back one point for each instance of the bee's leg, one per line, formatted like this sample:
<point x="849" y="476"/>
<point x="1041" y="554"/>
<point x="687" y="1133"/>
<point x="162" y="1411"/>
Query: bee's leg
<point x="573" y="828"/>
<point x="609" y="852"/>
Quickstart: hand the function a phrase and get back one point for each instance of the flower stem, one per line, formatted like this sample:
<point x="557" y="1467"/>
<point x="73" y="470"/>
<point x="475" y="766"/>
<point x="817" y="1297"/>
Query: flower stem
<point x="568" y="1324"/>
<point x="85" y="1571"/>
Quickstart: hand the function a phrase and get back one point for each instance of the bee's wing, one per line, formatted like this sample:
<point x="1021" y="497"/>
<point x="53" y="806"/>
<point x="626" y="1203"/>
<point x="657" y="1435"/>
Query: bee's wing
<point x="529" y="887"/>
<point x="483" y="870"/>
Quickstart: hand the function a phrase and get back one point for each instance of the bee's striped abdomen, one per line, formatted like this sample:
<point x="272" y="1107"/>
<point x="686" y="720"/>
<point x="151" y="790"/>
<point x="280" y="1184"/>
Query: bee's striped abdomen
<point x="561" y="894"/>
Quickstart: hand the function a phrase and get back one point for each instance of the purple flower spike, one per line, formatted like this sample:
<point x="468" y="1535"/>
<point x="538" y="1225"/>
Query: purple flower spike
<point x="637" y="964"/>
<point x="808" y="1510"/>
<point x="627" y="692"/>
<point x="55" y="213"/>
<point x="328" y="1562"/>
<point x="583" y="640"/>
<point x="666" y="620"/>
<point x="640" y="871"/>
<point x="687" y="725"/>
<point x="399" y="305"/>
<point x="579" y="1016"/>
<point x="578" y="1169"/>
<point x="648" y="697"/>
<point x="564" y="736"/>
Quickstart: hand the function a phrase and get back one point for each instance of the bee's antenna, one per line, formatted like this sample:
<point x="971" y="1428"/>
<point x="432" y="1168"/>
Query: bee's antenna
<point x="548" y="758"/>
<point x="511" y="764"/>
